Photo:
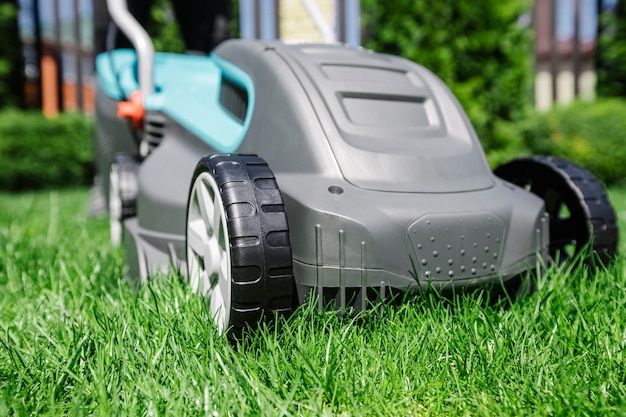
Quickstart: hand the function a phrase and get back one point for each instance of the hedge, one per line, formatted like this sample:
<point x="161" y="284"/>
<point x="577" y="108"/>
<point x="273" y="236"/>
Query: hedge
<point x="590" y="134"/>
<point x="36" y="152"/>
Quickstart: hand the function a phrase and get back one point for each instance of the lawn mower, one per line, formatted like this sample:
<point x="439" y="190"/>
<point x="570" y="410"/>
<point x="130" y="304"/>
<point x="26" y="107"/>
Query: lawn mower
<point x="271" y="172"/>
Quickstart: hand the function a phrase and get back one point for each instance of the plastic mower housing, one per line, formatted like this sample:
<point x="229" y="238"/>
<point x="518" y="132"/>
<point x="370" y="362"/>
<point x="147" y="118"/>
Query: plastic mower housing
<point x="270" y="172"/>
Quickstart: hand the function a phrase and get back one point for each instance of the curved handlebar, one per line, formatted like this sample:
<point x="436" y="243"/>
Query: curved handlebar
<point x="140" y="40"/>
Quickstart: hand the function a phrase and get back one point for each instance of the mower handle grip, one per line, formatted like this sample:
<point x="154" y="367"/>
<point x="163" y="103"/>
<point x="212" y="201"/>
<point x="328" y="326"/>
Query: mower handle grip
<point x="140" y="40"/>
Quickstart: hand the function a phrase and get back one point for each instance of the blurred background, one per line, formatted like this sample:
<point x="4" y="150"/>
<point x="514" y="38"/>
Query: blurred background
<point x="542" y="76"/>
<point x="60" y="37"/>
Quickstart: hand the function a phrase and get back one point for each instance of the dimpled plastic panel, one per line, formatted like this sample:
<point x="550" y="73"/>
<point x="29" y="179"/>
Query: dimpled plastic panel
<point x="456" y="246"/>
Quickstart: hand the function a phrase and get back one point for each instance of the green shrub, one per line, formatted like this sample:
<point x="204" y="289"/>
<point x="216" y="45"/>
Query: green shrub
<point x="611" y="53"/>
<point x="165" y="32"/>
<point x="506" y="142"/>
<point x="36" y="152"/>
<point x="11" y="63"/>
<point x="163" y="29"/>
<point x="590" y="134"/>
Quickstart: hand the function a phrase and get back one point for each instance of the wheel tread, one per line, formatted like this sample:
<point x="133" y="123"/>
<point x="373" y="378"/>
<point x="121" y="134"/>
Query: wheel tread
<point x="127" y="166"/>
<point x="259" y="239"/>
<point x="590" y="194"/>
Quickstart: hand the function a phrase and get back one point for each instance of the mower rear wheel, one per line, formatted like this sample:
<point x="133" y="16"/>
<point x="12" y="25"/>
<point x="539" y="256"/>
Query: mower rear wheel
<point x="237" y="238"/>
<point x="577" y="204"/>
<point x="122" y="193"/>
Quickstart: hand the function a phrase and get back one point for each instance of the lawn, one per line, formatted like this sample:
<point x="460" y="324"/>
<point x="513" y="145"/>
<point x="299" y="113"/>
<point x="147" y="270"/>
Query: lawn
<point x="76" y="339"/>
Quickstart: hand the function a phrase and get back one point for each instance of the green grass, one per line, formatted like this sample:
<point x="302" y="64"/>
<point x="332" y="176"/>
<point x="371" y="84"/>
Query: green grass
<point x="76" y="339"/>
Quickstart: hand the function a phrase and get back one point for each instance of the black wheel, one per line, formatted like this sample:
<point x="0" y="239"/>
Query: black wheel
<point x="238" y="247"/>
<point x="578" y="206"/>
<point x="122" y="192"/>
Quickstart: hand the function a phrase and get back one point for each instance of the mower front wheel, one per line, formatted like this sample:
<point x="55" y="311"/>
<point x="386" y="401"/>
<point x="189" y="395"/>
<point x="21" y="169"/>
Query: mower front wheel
<point x="237" y="238"/>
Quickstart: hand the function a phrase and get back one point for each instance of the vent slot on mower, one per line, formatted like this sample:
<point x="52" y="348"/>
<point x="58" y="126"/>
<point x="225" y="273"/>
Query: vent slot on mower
<point x="154" y="131"/>
<point x="234" y="99"/>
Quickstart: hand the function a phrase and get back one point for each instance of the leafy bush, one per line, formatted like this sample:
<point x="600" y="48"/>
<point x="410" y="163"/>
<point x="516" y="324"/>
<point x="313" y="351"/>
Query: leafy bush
<point x="611" y="52"/>
<point x="163" y="28"/>
<point x="590" y="134"/>
<point x="507" y="142"/>
<point x="11" y="71"/>
<point x="36" y="152"/>
<point x="479" y="49"/>
<point x="165" y="32"/>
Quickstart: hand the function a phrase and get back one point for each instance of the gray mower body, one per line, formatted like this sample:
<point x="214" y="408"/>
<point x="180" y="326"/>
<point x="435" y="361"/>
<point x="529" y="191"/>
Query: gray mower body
<point x="384" y="181"/>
